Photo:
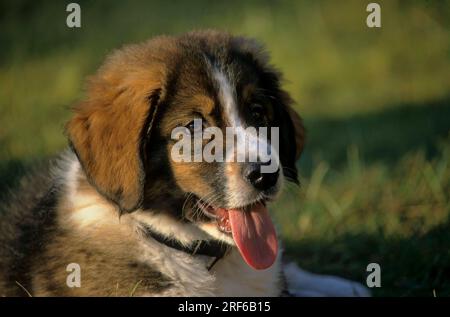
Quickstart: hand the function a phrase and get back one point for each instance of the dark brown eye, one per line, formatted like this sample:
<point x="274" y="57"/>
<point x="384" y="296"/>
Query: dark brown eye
<point x="258" y="112"/>
<point x="195" y="126"/>
<point x="190" y="126"/>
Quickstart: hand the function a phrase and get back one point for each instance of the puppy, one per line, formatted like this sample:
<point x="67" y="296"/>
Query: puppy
<point x="132" y="218"/>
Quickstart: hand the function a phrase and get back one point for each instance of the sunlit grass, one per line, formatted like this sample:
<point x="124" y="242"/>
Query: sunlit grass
<point x="342" y="220"/>
<point x="407" y="198"/>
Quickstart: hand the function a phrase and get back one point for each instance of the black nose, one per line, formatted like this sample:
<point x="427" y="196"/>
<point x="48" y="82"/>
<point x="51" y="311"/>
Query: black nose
<point x="261" y="181"/>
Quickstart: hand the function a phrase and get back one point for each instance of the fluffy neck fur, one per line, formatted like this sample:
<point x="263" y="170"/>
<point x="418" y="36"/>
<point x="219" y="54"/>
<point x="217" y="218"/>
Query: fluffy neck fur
<point x="87" y="212"/>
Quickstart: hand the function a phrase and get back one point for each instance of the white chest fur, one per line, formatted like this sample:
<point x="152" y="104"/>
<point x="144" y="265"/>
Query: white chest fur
<point x="230" y="276"/>
<point x="235" y="278"/>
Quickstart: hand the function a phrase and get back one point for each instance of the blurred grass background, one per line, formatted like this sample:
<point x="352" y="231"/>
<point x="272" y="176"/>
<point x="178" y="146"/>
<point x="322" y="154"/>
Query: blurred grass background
<point x="376" y="103"/>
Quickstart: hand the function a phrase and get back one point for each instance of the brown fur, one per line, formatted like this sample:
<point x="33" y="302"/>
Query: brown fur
<point x="129" y="108"/>
<point x="100" y="131"/>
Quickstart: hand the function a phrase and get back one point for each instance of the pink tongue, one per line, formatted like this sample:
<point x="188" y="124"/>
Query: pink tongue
<point x="255" y="236"/>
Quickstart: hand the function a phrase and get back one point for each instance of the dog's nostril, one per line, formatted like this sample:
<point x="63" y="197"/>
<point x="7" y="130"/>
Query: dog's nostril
<point x="253" y="175"/>
<point x="261" y="181"/>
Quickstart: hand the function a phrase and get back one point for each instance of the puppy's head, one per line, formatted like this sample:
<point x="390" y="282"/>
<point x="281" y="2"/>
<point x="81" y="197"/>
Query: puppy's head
<point x="212" y="91"/>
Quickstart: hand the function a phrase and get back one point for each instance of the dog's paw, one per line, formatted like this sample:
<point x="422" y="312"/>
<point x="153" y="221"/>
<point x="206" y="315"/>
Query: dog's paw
<point x="306" y="284"/>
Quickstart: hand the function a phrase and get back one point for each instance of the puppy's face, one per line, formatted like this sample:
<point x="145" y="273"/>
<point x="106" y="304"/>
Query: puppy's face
<point x="212" y="89"/>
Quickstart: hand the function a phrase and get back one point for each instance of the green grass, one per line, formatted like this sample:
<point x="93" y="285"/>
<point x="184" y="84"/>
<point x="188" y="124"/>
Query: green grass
<point x="375" y="172"/>
<point x="395" y="212"/>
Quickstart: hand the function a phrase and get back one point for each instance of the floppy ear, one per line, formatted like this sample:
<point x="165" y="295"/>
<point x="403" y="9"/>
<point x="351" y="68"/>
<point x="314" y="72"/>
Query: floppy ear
<point x="292" y="136"/>
<point x="107" y="128"/>
<point x="297" y="125"/>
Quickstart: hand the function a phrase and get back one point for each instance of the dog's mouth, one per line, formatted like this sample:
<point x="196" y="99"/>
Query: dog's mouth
<point x="251" y="229"/>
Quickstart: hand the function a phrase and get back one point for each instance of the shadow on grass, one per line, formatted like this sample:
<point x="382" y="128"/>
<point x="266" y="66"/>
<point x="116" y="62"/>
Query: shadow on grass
<point x="379" y="137"/>
<point x="412" y="266"/>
